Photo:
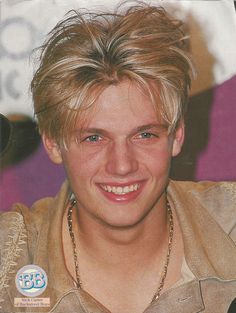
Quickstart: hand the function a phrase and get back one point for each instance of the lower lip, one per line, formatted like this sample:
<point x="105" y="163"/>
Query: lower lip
<point x="122" y="198"/>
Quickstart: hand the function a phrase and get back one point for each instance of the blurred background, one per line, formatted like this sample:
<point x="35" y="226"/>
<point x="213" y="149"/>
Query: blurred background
<point x="209" y="152"/>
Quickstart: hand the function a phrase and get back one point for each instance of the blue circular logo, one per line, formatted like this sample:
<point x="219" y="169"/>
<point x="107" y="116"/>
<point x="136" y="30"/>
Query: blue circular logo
<point x="31" y="280"/>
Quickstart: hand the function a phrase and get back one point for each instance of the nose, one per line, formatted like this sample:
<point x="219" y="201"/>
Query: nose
<point x="121" y="159"/>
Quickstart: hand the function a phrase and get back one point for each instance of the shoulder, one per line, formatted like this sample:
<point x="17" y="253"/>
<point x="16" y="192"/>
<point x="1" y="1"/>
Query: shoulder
<point x="35" y="216"/>
<point x="206" y="190"/>
<point x="20" y="226"/>
<point x="218" y="198"/>
<point x="11" y="224"/>
<point x="32" y="219"/>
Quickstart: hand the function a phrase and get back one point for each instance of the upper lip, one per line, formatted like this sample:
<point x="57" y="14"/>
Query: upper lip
<point x="118" y="184"/>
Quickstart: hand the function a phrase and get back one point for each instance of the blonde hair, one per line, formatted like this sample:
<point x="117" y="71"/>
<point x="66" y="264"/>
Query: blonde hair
<point x="86" y="52"/>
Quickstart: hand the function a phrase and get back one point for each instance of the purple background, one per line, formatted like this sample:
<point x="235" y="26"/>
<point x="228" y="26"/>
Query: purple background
<point x="218" y="160"/>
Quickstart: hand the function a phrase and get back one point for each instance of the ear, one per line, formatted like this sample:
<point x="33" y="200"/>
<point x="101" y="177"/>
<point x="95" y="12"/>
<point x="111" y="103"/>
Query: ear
<point x="52" y="149"/>
<point x="178" y="139"/>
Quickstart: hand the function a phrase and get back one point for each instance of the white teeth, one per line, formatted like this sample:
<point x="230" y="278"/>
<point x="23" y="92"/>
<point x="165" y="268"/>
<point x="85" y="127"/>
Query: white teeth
<point x="121" y="190"/>
<point x="118" y="190"/>
<point x="126" y="189"/>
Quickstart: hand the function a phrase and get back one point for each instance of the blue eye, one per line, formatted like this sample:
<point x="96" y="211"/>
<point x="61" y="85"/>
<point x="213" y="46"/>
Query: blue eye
<point x="147" y="135"/>
<point x="92" y="138"/>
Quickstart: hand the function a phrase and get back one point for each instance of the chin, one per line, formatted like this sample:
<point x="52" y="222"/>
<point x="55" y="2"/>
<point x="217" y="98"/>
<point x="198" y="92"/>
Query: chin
<point x="124" y="220"/>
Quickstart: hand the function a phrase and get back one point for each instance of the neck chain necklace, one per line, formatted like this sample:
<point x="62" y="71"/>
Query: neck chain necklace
<point x="167" y="260"/>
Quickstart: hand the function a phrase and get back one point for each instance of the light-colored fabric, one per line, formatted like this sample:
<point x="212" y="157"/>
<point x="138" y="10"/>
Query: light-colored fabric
<point x="207" y="216"/>
<point x="186" y="275"/>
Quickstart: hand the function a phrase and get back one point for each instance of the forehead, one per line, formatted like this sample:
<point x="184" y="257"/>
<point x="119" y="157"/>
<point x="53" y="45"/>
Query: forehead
<point x="120" y="106"/>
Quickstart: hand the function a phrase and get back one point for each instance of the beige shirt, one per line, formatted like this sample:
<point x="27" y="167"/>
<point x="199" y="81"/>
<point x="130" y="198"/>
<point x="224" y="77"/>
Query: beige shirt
<point x="207" y="216"/>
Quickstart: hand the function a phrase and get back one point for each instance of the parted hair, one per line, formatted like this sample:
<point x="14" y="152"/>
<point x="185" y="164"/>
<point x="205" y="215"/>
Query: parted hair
<point x="86" y="52"/>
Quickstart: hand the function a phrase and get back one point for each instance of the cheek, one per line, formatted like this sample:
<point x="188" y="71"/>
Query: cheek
<point x="157" y="159"/>
<point x="81" y="167"/>
<point x="158" y="166"/>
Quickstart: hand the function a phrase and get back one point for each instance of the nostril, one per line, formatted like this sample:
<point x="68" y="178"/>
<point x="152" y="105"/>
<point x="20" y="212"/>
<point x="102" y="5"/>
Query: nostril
<point x="121" y="161"/>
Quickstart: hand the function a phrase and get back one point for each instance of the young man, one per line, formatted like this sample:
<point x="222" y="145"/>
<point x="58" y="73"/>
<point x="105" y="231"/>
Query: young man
<point x="110" y="96"/>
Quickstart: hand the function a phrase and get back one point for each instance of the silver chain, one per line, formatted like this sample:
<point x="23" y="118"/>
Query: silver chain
<point x="167" y="260"/>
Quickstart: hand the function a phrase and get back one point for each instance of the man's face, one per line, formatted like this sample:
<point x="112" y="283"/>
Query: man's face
<point x="118" y="164"/>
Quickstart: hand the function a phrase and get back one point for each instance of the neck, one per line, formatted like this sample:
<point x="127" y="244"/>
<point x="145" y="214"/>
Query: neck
<point x="143" y="241"/>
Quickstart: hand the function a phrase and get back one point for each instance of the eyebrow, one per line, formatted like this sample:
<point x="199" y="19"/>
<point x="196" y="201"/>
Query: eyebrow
<point x="150" y="126"/>
<point x="93" y="130"/>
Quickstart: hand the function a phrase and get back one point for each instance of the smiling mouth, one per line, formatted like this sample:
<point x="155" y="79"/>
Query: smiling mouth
<point x="121" y="190"/>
